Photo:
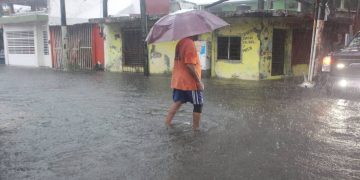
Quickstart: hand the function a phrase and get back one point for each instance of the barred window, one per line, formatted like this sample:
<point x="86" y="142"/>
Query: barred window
<point x="21" y="42"/>
<point x="229" y="48"/>
<point x="46" y="44"/>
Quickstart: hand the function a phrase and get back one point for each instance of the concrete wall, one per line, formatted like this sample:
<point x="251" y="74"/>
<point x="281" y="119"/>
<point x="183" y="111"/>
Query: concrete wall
<point x="248" y="68"/>
<point x="113" y="48"/>
<point x="266" y="37"/>
<point x="43" y="59"/>
<point x="300" y="69"/>
<point x="257" y="44"/>
<point x="161" y="55"/>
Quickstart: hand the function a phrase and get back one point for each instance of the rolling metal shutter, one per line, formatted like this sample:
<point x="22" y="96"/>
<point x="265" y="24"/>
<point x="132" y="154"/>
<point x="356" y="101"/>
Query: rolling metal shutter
<point x="21" y="42"/>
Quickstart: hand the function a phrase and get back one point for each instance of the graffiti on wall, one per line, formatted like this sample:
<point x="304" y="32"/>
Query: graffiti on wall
<point x="113" y="51"/>
<point x="247" y="43"/>
<point x="266" y="49"/>
<point x="248" y="68"/>
<point x="153" y="53"/>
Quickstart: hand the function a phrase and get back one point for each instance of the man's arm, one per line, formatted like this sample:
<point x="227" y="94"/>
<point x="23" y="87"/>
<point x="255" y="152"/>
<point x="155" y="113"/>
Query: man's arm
<point x="192" y="71"/>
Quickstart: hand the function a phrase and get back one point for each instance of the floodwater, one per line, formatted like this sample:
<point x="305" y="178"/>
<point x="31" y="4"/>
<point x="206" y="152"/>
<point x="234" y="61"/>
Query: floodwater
<point x="61" y="125"/>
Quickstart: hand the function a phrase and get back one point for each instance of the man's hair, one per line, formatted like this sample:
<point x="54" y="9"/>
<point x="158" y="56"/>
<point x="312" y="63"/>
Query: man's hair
<point x="194" y="38"/>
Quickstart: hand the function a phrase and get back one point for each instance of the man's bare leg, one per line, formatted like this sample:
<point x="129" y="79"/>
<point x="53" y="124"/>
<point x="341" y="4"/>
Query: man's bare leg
<point x="172" y="111"/>
<point x="196" y="120"/>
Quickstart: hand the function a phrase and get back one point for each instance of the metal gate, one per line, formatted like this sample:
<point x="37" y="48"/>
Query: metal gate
<point x="79" y="47"/>
<point x="56" y="51"/>
<point x="133" y="47"/>
<point x="2" y="48"/>
<point x="278" y="52"/>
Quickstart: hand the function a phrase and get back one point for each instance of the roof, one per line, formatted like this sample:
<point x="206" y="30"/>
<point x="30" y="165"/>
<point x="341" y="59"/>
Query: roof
<point x="23" y="19"/>
<point x="39" y="3"/>
<point x="121" y="19"/>
<point x="114" y="19"/>
<point x="262" y="13"/>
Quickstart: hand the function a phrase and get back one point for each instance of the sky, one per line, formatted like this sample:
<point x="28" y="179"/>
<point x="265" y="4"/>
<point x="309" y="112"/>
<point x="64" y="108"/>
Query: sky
<point x="77" y="13"/>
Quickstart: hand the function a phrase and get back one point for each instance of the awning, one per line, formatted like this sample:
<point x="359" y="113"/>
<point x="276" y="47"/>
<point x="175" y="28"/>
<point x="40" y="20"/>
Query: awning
<point x="23" y="18"/>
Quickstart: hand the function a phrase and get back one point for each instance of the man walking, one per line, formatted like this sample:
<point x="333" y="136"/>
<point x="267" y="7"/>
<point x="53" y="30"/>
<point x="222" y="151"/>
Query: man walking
<point x="186" y="81"/>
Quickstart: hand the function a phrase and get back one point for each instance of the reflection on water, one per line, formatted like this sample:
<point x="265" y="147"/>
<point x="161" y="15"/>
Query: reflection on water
<point x="335" y="148"/>
<point x="110" y="126"/>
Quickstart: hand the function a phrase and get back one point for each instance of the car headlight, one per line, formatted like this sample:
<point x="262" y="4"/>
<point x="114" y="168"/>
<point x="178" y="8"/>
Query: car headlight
<point x="326" y="64"/>
<point x="340" y="66"/>
<point x="343" y="83"/>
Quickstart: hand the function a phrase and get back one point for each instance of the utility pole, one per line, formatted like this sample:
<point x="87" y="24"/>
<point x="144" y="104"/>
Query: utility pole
<point x="144" y="34"/>
<point x="105" y="8"/>
<point x="34" y="6"/>
<point x="64" y="36"/>
<point x="261" y="4"/>
<point x="357" y="18"/>
<point x="11" y="7"/>
<point x="317" y="35"/>
<point x="342" y="4"/>
<point x="1" y="10"/>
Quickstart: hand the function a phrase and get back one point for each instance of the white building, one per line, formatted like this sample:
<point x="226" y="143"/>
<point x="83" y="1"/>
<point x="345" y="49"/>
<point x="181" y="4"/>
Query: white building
<point x="26" y="40"/>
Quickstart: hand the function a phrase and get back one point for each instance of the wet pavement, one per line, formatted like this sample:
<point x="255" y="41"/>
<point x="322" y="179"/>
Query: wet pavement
<point x="95" y="125"/>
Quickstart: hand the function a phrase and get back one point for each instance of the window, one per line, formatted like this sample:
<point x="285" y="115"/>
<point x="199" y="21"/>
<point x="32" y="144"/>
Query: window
<point x="21" y="42"/>
<point x="46" y="44"/>
<point x="229" y="48"/>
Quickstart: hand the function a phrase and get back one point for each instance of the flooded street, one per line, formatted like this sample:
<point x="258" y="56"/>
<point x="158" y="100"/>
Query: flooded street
<point x="61" y="125"/>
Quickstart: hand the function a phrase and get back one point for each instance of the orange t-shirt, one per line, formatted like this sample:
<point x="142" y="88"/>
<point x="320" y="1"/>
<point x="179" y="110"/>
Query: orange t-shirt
<point x="186" y="53"/>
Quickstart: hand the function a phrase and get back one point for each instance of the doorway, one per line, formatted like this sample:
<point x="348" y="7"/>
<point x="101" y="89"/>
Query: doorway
<point x="46" y="50"/>
<point x="133" y="51"/>
<point x="2" y="49"/>
<point x="278" y="53"/>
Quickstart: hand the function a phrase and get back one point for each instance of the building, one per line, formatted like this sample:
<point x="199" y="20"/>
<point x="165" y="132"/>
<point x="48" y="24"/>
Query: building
<point x="182" y="4"/>
<point x="85" y="43"/>
<point x="259" y="44"/>
<point x="124" y="47"/>
<point x="251" y="48"/>
<point x="85" y="47"/>
<point x="25" y="34"/>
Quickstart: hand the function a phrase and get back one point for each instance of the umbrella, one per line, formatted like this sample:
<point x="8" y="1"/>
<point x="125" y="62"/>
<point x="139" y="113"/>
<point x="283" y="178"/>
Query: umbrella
<point x="184" y="23"/>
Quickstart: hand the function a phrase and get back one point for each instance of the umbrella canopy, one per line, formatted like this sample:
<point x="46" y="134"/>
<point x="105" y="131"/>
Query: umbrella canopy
<point x="184" y="23"/>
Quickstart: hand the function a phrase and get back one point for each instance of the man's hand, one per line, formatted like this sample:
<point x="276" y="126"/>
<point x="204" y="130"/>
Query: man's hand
<point x="200" y="86"/>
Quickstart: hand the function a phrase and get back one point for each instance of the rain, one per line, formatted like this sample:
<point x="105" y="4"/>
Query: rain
<point x="179" y="90"/>
<point x="101" y="125"/>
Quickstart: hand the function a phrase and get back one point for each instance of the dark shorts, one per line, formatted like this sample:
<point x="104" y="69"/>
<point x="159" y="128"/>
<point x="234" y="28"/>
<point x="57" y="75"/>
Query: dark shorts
<point x="194" y="97"/>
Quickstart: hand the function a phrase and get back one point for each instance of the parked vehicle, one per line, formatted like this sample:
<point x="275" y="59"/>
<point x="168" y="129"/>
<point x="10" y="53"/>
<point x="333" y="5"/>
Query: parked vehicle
<point x="341" y="68"/>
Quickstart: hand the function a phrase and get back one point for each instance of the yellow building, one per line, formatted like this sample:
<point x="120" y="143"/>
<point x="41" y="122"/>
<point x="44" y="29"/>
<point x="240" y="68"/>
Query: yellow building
<point x="251" y="48"/>
<point x="271" y="43"/>
<point x="123" y="45"/>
